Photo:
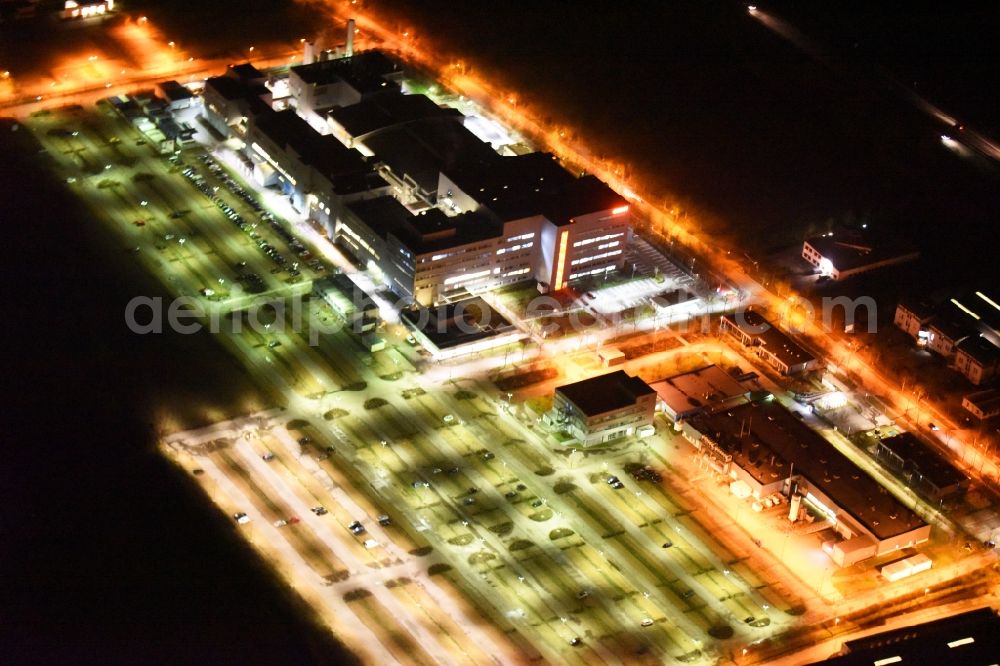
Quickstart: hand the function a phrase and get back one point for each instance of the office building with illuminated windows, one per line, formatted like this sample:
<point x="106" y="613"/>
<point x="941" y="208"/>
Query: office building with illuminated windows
<point x="409" y="190"/>
<point x="604" y="408"/>
<point x="512" y="219"/>
<point x="580" y="225"/>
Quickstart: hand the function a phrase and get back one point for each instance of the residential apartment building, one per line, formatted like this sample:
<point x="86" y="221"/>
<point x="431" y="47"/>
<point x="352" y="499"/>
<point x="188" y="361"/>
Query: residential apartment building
<point x="913" y="316"/>
<point x="977" y="358"/>
<point x="945" y="332"/>
<point x="942" y="327"/>
<point x="983" y="404"/>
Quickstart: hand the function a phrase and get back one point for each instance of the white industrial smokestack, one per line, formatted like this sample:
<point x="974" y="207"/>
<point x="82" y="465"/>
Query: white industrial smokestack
<point x="793" y="509"/>
<point x="349" y="47"/>
<point x="309" y="52"/>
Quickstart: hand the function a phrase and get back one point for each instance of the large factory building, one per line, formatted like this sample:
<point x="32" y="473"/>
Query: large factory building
<point x="409" y="191"/>
<point x="767" y="448"/>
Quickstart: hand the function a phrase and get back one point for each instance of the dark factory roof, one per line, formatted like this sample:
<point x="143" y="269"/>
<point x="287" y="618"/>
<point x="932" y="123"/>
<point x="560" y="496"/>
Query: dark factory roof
<point x="582" y="196"/>
<point x="383" y="215"/>
<point x="421" y="149"/>
<point x="386" y="110"/>
<point x="424" y="232"/>
<point x="432" y="230"/>
<point x="919" y="456"/>
<point x="365" y="72"/>
<point x="698" y="389"/>
<point x="173" y="91"/>
<point x="245" y="72"/>
<point x="230" y="88"/>
<point x="510" y="186"/>
<point x="765" y="439"/>
<point x="323" y="153"/>
<point x="532" y="184"/>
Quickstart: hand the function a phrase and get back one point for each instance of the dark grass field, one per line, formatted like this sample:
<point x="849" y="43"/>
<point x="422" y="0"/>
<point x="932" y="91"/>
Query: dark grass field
<point x="111" y="555"/>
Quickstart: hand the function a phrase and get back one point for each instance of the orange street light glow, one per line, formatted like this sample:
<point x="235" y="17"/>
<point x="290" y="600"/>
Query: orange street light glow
<point x="662" y="214"/>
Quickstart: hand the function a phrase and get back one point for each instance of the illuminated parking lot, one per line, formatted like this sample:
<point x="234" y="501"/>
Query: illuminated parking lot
<point x="575" y="569"/>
